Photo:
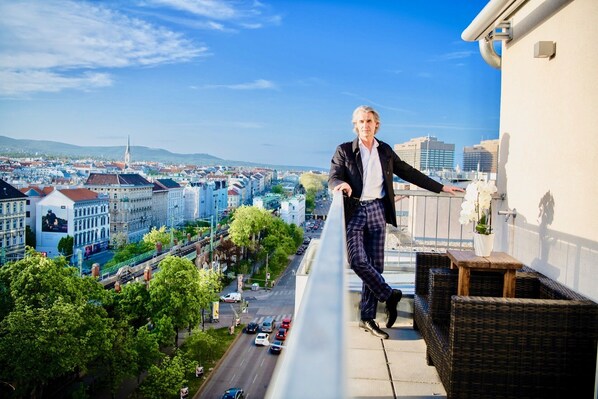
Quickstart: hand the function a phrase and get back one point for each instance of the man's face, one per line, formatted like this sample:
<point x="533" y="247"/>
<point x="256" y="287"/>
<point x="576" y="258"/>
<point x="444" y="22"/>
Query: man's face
<point x="366" y="125"/>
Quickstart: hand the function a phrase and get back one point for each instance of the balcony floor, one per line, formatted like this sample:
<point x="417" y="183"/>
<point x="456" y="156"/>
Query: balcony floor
<point x="392" y="368"/>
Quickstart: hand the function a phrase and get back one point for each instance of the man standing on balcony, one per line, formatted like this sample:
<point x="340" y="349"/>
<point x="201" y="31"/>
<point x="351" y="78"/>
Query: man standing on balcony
<point x="363" y="169"/>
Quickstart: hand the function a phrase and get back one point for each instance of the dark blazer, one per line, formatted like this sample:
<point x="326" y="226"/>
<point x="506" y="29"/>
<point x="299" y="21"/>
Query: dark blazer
<point x="346" y="167"/>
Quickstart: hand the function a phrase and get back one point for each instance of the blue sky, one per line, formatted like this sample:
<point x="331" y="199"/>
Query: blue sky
<point x="260" y="81"/>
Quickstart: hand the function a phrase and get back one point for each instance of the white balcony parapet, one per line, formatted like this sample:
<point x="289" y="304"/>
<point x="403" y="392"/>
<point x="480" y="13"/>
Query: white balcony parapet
<point x="313" y="364"/>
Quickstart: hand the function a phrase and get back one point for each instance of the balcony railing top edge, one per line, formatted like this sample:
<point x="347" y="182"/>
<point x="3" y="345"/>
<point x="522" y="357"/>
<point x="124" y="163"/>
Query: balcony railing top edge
<point x="305" y="369"/>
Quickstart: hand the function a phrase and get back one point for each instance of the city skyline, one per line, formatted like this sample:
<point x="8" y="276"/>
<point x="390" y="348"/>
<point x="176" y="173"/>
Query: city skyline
<point x="267" y="82"/>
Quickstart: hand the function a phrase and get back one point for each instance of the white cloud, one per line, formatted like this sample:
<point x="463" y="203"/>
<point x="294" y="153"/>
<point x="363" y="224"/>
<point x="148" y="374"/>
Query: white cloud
<point x="55" y="37"/>
<point x="249" y="14"/>
<point x="216" y="9"/>
<point x="31" y="81"/>
<point x="259" y="84"/>
<point x="455" y="55"/>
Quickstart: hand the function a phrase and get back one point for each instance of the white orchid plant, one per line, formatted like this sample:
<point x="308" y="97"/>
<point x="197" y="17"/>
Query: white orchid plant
<point x="477" y="206"/>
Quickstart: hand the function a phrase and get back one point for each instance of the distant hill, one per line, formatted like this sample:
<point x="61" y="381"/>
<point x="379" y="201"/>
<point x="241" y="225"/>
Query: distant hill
<point x="46" y="148"/>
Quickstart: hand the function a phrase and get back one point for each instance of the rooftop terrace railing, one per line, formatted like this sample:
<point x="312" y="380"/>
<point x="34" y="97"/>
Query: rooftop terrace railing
<point x="314" y="362"/>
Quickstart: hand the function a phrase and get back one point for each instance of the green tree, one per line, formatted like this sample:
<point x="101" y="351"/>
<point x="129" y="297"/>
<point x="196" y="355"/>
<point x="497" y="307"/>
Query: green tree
<point x="277" y="235"/>
<point x="55" y="322"/>
<point x="313" y="182"/>
<point x="277" y="189"/>
<point x="120" y="360"/>
<point x="165" y="380"/>
<point x="176" y="292"/>
<point x="157" y="235"/>
<point x="133" y="304"/>
<point x="201" y="345"/>
<point x="65" y="246"/>
<point x="248" y="222"/>
<point x="148" y="350"/>
<point x="119" y="240"/>
<point x="129" y="251"/>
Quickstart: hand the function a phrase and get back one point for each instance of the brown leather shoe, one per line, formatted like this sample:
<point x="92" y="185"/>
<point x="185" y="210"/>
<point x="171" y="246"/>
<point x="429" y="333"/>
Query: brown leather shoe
<point x="391" y="307"/>
<point x="372" y="327"/>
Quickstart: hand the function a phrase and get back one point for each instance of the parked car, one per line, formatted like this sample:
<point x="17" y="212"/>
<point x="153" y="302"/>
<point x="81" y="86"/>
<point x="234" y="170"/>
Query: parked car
<point x="281" y="334"/>
<point x="252" y="328"/>
<point x="233" y="393"/>
<point x="262" y="339"/>
<point x="231" y="297"/>
<point x="286" y="323"/>
<point x="276" y="347"/>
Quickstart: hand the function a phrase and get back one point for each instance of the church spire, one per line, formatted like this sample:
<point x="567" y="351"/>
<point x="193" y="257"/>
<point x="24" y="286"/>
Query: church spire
<point x="128" y="154"/>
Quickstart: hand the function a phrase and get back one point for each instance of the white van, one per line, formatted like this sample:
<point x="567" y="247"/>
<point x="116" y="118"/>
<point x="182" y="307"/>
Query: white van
<point x="267" y="324"/>
<point x="231" y="297"/>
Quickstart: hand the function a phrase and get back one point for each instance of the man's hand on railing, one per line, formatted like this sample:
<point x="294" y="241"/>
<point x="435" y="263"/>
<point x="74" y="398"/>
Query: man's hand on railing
<point x="344" y="187"/>
<point x="452" y="189"/>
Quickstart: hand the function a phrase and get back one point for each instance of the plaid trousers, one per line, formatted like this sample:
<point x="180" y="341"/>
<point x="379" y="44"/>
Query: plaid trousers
<point x="366" y="233"/>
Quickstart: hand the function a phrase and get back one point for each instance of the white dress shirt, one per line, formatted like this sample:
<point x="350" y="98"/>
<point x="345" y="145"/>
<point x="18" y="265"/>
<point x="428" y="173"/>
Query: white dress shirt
<point x="373" y="181"/>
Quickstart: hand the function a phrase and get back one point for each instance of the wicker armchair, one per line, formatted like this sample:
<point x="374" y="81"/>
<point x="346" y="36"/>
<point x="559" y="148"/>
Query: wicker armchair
<point x="540" y="344"/>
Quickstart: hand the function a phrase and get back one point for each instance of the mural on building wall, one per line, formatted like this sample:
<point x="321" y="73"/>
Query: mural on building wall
<point x="54" y="219"/>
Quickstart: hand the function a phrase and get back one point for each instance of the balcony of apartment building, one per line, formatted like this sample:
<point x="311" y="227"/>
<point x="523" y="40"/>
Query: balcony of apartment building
<point x="546" y="187"/>
<point x="335" y="358"/>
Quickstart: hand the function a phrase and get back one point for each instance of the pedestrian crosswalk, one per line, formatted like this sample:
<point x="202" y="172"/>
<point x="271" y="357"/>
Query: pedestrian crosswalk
<point x="277" y="318"/>
<point x="286" y="293"/>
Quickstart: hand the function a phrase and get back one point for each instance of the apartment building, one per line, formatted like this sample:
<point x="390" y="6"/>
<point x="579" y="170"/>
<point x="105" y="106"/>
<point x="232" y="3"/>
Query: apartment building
<point x="427" y="153"/>
<point x="159" y="206"/>
<point x="79" y="213"/>
<point x="12" y="223"/>
<point x="130" y="202"/>
<point x="269" y="202"/>
<point x="204" y="199"/>
<point x="234" y="197"/>
<point x="174" y="202"/>
<point x="34" y="195"/>
<point x="292" y="210"/>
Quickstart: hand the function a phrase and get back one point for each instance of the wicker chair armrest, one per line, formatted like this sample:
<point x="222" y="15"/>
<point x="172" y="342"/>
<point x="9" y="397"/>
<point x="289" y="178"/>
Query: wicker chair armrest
<point x="424" y="261"/>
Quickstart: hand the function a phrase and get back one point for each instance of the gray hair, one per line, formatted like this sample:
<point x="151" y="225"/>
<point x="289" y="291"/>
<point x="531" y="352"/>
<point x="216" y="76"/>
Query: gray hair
<point x="366" y="108"/>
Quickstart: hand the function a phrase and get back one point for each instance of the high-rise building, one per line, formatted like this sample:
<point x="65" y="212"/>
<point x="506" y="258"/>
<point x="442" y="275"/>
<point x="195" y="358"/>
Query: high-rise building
<point x="481" y="157"/>
<point x="427" y="153"/>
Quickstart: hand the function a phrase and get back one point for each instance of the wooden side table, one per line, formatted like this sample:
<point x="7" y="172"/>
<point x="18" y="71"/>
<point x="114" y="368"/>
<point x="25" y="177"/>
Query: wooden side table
<point x="466" y="261"/>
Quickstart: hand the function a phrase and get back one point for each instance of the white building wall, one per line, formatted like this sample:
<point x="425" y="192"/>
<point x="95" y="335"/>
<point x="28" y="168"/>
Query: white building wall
<point x="191" y="200"/>
<point x="176" y="206"/>
<point x="293" y="210"/>
<point x="160" y="209"/>
<point x="89" y="226"/>
<point x="548" y="143"/>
